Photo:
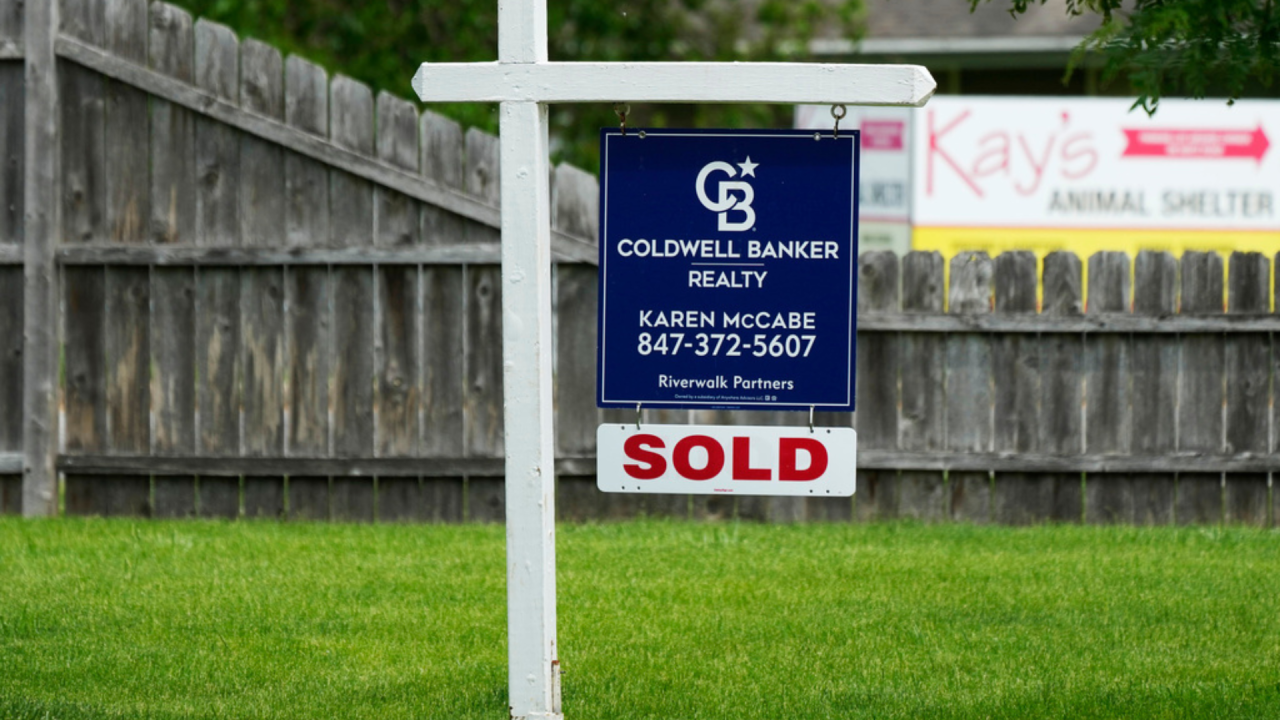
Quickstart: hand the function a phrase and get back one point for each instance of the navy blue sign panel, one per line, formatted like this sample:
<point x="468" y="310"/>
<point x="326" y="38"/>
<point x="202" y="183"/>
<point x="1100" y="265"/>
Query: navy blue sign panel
<point x="728" y="269"/>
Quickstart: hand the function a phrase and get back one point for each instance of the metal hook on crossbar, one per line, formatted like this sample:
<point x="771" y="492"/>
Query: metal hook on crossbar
<point x="637" y="416"/>
<point x="621" y="110"/>
<point x="835" y="131"/>
<point x="811" y="419"/>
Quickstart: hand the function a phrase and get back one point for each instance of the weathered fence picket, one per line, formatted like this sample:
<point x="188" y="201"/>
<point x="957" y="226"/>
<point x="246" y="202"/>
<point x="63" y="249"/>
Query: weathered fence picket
<point x="280" y="296"/>
<point x="1247" y="358"/>
<point x="1155" y="391"/>
<point x="1017" y="498"/>
<point x="12" y="199"/>
<point x="1107" y="391"/>
<point x="919" y="494"/>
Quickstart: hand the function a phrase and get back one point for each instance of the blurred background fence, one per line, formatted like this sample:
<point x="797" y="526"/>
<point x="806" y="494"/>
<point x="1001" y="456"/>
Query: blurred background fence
<point x="231" y="285"/>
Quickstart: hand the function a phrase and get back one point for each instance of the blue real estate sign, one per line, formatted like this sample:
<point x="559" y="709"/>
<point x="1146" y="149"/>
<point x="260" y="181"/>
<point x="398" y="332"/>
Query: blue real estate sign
<point x="728" y="269"/>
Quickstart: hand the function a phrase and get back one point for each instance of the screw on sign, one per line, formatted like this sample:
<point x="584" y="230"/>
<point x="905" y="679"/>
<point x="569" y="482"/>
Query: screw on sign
<point x="714" y="459"/>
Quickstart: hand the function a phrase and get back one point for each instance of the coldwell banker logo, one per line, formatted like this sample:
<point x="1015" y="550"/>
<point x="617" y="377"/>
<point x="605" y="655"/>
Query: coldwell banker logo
<point x="729" y="202"/>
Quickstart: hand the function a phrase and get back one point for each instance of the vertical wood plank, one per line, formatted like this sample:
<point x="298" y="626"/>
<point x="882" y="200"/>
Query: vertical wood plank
<point x="218" y="347"/>
<point x="398" y="222"/>
<point x="351" y="126"/>
<point x="128" y="357"/>
<point x="12" y="135"/>
<point x="486" y="500"/>
<point x="173" y="496"/>
<point x="11" y="306"/>
<point x="308" y="288"/>
<point x="575" y="198"/>
<point x="968" y="382"/>
<point x="170" y="50"/>
<point x="398" y="372"/>
<point x="173" y="380"/>
<point x="923" y="403"/>
<point x="1018" y="498"/>
<point x="11" y="27"/>
<point x="173" y="130"/>
<point x="262" y="361"/>
<point x="1062" y="381"/>
<point x="127" y="172"/>
<point x="1155" y="385"/>
<point x="128" y="350"/>
<point x="443" y="163"/>
<point x="219" y="341"/>
<point x="218" y="224"/>
<point x="262" y="223"/>
<point x="1248" y="361"/>
<point x="482" y="400"/>
<point x="352" y="499"/>
<point x="263" y="497"/>
<point x="879" y="275"/>
<point x="1108" y="420"/>
<point x="353" y="374"/>
<point x="443" y="302"/>
<point x="85" y="393"/>
<point x="10" y="494"/>
<point x="83" y="19"/>
<point x="308" y="498"/>
<point x="218" y="497"/>
<point x="82" y="129"/>
<point x="443" y="366"/>
<point x="262" y="206"/>
<point x="307" y="180"/>
<point x="13" y="107"/>
<point x="217" y="71"/>
<point x="1200" y="389"/>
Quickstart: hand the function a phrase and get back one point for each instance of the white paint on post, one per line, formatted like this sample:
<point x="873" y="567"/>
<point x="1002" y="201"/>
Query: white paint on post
<point x="532" y="663"/>
<point x="704" y="82"/>
<point x="527" y="372"/>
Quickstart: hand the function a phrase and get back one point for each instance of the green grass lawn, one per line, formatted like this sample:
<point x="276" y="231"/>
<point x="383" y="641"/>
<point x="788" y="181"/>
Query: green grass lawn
<point x="126" y="619"/>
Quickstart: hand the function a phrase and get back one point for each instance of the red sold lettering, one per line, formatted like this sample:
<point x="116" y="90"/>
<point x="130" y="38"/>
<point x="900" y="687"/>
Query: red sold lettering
<point x="637" y="448"/>
<point x="715" y="457"/>
<point x="788" y="468"/>
<point x="742" y="469"/>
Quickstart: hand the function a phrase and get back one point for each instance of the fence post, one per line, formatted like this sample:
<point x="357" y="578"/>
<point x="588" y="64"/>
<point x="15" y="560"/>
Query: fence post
<point x="40" y="326"/>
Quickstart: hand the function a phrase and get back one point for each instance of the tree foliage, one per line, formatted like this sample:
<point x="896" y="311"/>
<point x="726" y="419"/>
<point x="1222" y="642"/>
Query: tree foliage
<point x="1191" y="48"/>
<point x="383" y="43"/>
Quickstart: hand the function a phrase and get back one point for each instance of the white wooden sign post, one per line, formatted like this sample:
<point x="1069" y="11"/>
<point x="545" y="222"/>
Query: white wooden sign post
<point x="524" y="82"/>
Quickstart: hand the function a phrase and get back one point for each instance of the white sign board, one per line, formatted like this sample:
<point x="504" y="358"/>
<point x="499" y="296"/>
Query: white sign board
<point x="727" y="459"/>
<point x="1091" y="163"/>
<point x="1088" y="174"/>
<point x="884" y="192"/>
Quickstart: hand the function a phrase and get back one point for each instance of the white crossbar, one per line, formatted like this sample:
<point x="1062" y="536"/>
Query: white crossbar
<point x="707" y="82"/>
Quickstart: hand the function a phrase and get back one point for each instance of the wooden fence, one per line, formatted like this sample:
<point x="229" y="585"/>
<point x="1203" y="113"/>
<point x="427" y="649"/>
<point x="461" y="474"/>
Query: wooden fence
<point x="243" y="288"/>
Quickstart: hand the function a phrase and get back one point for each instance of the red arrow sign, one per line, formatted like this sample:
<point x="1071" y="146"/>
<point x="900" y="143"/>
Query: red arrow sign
<point x="1155" y="142"/>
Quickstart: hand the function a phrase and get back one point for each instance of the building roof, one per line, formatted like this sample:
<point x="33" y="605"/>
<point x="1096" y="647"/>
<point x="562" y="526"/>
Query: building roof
<point x="914" y="29"/>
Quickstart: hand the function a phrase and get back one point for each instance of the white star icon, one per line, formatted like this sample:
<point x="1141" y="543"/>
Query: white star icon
<point x="748" y="167"/>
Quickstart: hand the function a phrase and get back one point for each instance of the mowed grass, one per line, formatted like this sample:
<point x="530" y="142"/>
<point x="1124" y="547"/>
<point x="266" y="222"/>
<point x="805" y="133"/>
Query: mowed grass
<point x="126" y="619"/>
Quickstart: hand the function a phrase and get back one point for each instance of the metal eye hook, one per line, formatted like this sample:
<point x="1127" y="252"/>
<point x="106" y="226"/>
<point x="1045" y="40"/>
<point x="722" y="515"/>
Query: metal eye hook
<point x="637" y="416"/>
<point x="810" y="419"/>
<point x="621" y="110"/>
<point x="842" y="111"/>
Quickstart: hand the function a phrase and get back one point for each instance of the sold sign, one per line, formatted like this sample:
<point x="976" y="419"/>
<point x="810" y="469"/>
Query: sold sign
<point x="720" y="459"/>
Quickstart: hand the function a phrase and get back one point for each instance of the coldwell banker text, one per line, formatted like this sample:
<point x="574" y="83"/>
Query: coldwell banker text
<point x="728" y="250"/>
